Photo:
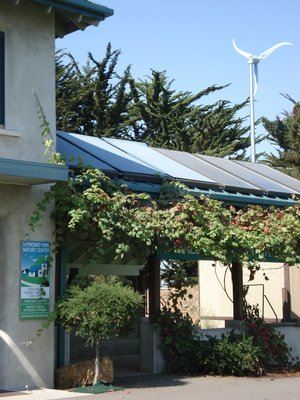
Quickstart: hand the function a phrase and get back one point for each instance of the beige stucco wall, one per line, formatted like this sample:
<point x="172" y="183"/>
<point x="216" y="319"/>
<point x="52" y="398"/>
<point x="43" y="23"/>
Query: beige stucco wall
<point x="295" y="291"/>
<point x="214" y="302"/>
<point x="29" y="67"/>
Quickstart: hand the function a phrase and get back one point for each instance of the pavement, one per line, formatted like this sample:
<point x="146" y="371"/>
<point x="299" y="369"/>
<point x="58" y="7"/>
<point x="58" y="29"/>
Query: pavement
<point x="170" y="387"/>
<point x="40" y="394"/>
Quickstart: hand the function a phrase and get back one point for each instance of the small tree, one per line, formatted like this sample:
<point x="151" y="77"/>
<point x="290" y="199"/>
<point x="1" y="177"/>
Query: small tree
<point x="101" y="310"/>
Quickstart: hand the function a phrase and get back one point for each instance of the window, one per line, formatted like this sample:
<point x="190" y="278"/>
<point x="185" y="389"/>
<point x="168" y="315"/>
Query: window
<point x="2" y="79"/>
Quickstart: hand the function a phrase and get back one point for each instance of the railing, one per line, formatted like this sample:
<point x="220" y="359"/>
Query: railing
<point x="264" y="297"/>
<point x="274" y="312"/>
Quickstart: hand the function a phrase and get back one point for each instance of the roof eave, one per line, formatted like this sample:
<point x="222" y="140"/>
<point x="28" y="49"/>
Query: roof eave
<point x="72" y="15"/>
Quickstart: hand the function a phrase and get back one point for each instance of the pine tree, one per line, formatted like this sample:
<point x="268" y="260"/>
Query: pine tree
<point x="284" y="133"/>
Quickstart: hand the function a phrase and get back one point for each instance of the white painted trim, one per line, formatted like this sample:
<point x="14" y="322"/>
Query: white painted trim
<point x="6" y="132"/>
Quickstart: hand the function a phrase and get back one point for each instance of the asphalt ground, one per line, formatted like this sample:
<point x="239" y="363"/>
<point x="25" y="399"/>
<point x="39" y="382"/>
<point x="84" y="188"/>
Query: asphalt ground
<point x="170" y="387"/>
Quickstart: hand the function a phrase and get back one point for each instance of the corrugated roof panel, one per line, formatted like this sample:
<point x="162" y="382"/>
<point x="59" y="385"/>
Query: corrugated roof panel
<point x="273" y="174"/>
<point x="249" y="176"/>
<point x="161" y="162"/>
<point x="224" y="178"/>
<point x="74" y="155"/>
<point x="108" y="154"/>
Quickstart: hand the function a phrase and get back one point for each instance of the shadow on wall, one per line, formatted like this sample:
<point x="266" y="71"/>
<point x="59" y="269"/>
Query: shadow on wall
<point x="33" y="375"/>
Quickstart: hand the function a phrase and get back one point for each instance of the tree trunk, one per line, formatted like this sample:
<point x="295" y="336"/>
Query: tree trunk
<point x="97" y="361"/>
<point x="237" y="291"/>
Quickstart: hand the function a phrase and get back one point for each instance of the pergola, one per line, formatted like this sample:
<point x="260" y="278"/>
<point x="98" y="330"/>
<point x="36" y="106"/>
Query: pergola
<point x="144" y="169"/>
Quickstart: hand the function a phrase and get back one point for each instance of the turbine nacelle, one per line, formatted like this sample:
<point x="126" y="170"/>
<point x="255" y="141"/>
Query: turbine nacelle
<point x="253" y="60"/>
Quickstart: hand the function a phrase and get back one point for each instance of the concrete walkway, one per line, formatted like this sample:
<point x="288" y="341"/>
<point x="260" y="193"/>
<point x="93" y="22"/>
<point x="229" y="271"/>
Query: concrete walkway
<point x="170" y="387"/>
<point x="40" y="394"/>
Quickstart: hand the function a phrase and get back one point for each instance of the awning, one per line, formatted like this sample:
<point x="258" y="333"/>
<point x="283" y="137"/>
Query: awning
<point x="26" y="173"/>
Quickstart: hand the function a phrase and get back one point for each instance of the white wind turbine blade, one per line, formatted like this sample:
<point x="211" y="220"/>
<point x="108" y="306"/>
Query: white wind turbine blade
<point x="266" y="53"/>
<point x="242" y="52"/>
<point x="255" y="66"/>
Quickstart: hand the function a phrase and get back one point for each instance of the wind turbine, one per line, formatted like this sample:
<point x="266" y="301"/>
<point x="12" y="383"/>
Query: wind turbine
<point x="253" y="61"/>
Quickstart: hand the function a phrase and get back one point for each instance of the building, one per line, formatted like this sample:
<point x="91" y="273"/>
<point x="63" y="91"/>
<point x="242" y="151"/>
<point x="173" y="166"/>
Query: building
<point x="28" y="30"/>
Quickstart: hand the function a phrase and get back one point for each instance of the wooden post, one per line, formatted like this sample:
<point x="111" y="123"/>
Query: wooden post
<point x="237" y="291"/>
<point x="153" y="267"/>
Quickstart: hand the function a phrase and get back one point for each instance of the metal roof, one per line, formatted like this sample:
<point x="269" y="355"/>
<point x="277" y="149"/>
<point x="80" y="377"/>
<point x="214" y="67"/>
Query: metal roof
<point x="144" y="168"/>
<point x="73" y="15"/>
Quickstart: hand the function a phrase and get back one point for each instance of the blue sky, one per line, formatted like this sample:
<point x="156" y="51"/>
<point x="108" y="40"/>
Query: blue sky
<point x="192" y="41"/>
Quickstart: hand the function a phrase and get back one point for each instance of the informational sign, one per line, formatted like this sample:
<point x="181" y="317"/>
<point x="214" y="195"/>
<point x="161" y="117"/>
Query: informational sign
<point x="35" y="294"/>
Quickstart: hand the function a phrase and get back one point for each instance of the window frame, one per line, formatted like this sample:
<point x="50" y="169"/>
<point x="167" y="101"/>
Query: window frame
<point x="2" y="78"/>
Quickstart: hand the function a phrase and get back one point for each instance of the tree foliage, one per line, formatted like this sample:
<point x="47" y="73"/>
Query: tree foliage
<point x="164" y="117"/>
<point x="95" y="100"/>
<point x="284" y="133"/>
<point x="101" y="310"/>
<point x="92" y="100"/>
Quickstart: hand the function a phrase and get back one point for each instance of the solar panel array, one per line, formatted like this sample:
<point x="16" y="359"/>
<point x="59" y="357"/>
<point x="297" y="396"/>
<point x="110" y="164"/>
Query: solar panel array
<point x="130" y="159"/>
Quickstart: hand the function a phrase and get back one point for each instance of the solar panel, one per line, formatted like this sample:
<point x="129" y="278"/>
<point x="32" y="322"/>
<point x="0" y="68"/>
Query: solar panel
<point x="226" y="180"/>
<point x="266" y="184"/>
<point x="273" y="174"/>
<point x="159" y="161"/>
<point x="74" y="155"/>
<point x="110" y="155"/>
<point x="135" y="160"/>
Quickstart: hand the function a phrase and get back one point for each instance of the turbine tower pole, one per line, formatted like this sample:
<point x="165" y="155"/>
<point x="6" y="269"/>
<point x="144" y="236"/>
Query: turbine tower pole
<point x="252" y="119"/>
<point x="253" y="61"/>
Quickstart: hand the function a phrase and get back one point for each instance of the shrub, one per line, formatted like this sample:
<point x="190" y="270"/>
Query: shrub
<point x="274" y="350"/>
<point x="178" y="341"/>
<point x="231" y="354"/>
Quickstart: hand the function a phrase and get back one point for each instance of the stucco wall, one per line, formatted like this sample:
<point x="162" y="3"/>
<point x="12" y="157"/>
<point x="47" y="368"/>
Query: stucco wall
<point x="29" y="64"/>
<point x="295" y="291"/>
<point x="20" y="364"/>
<point x="29" y="32"/>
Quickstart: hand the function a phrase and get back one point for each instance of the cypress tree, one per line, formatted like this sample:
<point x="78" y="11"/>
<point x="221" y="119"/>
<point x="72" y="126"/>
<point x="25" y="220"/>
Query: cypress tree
<point x="94" y="100"/>
<point x="284" y="133"/>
